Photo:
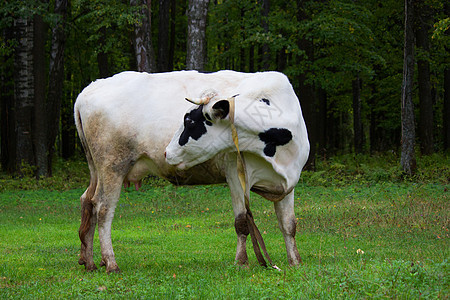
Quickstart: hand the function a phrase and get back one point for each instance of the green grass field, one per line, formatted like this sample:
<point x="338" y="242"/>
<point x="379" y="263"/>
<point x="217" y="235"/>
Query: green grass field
<point x="360" y="239"/>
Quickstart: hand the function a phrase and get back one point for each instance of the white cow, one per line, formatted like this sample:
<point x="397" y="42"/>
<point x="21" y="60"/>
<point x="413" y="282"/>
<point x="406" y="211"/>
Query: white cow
<point x="135" y="124"/>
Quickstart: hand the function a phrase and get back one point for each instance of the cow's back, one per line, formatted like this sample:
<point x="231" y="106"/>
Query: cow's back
<point x="139" y="113"/>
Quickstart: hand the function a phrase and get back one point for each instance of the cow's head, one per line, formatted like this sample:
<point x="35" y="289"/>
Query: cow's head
<point x="205" y="132"/>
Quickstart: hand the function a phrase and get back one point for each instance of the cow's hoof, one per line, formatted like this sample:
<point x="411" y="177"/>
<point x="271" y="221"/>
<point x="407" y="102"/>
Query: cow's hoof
<point x="295" y="264"/>
<point x="114" y="269"/>
<point x="241" y="263"/>
<point x="241" y="259"/>
<point x="242" y="266"/>
<point x="87" y="266"/>
<point x="90" y="268"/>
<point x="110" y="268"/>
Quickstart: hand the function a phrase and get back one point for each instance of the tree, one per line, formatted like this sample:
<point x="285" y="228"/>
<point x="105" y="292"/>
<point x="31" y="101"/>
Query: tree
<point x="443" y="29"/>
<point x="196" y="38"/>
<point x="265" y="9"/>
<point x="40" y="120"/>
<point x="173" y="7"/>
<point x="163" y="35"/>
<point x="104" y="68"/>
<point x="56" y="80"/>
<point x="23" y="93"/>
<point x="142" y="41"/>
<point x="357" y="119"/>
<point x="306" y="90"/>
<point x="7" y="134"/>
<point x="446" y="112"/>
<point x="326" y="48"/>
<point x="408" y="158"/>
<point x="423" y="74"/>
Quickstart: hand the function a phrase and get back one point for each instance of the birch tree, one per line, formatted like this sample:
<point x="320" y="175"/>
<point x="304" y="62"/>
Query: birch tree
<point x="196" y="39"/>
<point x="23" y="94"/>
<point x="142" y="41"/>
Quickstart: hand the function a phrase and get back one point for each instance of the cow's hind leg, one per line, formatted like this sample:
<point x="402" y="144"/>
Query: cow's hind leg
<point x="241" y="226"/>
<point x="287" y="223"/>
<point x="105" y="207"/>
<point x="240" y="219"/>
<point x="87" y="228"/>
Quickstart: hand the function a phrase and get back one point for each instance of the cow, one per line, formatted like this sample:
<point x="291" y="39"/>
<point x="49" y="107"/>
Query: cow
<point x="136" y="124"/>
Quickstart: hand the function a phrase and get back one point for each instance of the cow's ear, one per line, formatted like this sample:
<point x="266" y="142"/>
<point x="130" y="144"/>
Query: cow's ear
<point x="221" y="109"/>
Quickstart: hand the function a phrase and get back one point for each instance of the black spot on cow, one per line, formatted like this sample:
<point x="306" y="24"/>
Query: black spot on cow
<point x="266" y="101"/>
<point x="194" y="126"/>
<point x="274" y="137"/>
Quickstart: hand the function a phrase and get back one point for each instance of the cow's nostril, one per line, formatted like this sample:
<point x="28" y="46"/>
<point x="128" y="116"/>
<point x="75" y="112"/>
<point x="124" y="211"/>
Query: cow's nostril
<point x="165" y="154"/>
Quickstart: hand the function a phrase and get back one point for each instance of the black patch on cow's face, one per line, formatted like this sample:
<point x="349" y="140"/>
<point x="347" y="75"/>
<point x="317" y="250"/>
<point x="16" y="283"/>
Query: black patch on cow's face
<point x="266" y="101"/>
<point x="194" y="126"/>
<point x="274" y="137"/>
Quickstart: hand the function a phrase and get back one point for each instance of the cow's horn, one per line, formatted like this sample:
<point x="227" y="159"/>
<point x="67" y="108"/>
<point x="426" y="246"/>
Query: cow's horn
<point x="200" y="101"/>
<point x="206" y="97"/>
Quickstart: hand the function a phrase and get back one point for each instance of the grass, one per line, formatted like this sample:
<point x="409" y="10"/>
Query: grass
<point x="362" y="238"/>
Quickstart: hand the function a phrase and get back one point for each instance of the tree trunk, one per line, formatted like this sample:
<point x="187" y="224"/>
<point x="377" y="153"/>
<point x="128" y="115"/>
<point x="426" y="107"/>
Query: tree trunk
<point x="23" y="94"/>
<point x="68" y="129"/>
<point x="408" y="158"/>
<point x="332" y="130"/>
<point x="102" y="56"/>
<point x="446" y="113"/>
<point x="173" y="7"/>
<point x="196" y="39"/>
<point x="39" y="130"/>
<point x="322" y="122"/>
<point x="357" y="120"/>
<point x="142" y="41"/>
<point x="69" y="139"/>
<point x="163" y="35"/>
<point x="281" y="60"/>
<point x="425" y="98"/>
<point x="56" y="79"/>
<point x="251" y="58"/>
<point x="7" y="135"/>
<point x="306" y="95"/>
<point x="265" y="9"/>
<point x="374" y="119"/>
<point x="242" y="52"/>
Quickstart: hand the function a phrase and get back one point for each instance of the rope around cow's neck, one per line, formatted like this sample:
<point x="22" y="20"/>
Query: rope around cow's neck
<point x="255" y="235"/>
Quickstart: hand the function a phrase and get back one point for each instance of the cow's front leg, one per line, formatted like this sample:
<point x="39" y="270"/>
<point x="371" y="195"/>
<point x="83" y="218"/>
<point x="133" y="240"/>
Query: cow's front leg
<point x="105" y="214"/>
<point x="87" y="230"/>
<point x="287" y="223"/>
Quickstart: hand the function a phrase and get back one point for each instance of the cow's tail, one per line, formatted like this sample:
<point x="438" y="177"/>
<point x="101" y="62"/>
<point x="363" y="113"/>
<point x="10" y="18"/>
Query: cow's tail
<point x="87" y="205"/>
<point x="257" y="240"/>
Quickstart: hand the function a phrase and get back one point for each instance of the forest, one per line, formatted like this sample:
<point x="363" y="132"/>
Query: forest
<point x="353" y="65"/>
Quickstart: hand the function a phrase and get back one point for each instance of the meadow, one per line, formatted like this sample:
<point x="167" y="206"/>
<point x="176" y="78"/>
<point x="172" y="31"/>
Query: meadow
<point x="364" y="231"/>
